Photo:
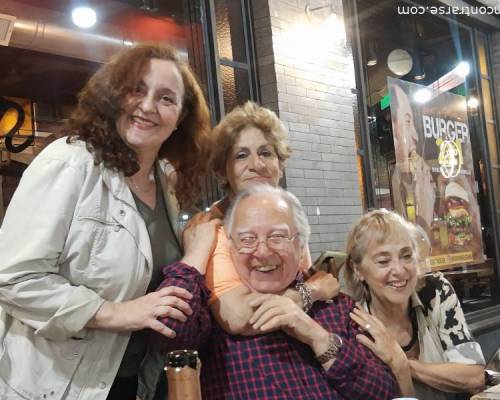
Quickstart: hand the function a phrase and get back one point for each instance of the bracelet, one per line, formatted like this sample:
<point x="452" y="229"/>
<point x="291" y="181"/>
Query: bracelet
<point x="306" y="294"/>
<point x="334" y="345"/>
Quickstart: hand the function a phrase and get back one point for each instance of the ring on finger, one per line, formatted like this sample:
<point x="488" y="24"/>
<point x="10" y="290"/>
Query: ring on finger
<point x="367" y="326"/>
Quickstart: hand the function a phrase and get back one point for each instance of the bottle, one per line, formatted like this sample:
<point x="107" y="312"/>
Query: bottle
<point x="183" y="375"/>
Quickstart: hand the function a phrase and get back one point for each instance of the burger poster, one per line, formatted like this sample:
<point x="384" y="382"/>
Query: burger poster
<point x="433" y="179"/>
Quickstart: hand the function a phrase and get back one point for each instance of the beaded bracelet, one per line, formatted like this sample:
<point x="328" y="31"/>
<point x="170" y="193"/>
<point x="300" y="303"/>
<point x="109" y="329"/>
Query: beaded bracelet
<point x="306" y="294"/>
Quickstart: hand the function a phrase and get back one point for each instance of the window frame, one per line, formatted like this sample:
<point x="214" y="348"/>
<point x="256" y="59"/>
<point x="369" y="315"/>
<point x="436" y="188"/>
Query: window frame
<point x="366" y="149"/>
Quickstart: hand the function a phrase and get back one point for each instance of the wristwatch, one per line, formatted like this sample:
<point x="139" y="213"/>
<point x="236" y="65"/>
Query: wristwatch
<point x="306" y="294"/>
<point x="334" y="345"/>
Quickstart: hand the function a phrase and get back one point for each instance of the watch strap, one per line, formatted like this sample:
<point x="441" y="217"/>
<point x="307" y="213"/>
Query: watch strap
<point x="334" y="345"/>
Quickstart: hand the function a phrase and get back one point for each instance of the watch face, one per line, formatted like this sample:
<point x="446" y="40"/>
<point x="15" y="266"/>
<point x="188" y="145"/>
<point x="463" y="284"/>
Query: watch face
<point x="337" y="340"/>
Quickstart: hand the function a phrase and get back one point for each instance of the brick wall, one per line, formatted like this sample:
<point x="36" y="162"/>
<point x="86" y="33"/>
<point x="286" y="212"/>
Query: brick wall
<point x="308" y="83"/>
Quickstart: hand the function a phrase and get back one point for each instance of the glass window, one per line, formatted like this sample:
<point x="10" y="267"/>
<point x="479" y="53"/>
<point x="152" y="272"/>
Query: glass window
<point x="492" y="144"/>
<point x="481" y="55"/>
<point x="487" y="104"/>
<point x="231" y="77"/>
<point x="425" y="134"/>
<point x="235" y="86"/>
<point x="230" y="34"/>
<point x="491" y="126"/>
<point x="496" y="186"/>
<point x="232" y="31"/>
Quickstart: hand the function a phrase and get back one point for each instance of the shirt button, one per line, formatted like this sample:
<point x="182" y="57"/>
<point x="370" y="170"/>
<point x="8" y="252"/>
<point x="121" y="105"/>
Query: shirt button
<point x="117" y="228"/>
<point x="102" y="385"/>
<point x="122" y="213"/>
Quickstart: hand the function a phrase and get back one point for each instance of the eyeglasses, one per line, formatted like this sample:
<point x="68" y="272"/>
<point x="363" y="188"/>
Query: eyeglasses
<point x="248" y="243"/>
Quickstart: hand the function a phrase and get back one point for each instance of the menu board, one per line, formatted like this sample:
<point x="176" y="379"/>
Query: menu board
<point x="433" y="179"/>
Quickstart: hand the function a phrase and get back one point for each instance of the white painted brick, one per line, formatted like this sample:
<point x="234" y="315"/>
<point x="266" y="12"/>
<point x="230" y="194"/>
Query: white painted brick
<point x="298" y="191"/>
<point x="323" y="148"/>
<point x="294" y="172"/>
<point x="309" y="137"/>
<point x="313" y="173"/>
<point x="315" y="102"/>
<point x="291" y="117"/>
<point x="299" y="127"/>
<point x="298" y="145"/>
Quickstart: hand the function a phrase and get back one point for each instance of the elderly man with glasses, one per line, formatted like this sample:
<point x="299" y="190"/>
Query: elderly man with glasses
<point x="313" y="355"/>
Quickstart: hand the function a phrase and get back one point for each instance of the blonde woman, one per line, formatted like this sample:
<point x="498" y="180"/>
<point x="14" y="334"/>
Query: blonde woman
<point x="413" y="323"/>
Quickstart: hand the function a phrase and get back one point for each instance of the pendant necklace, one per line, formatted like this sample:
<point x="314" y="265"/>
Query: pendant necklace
<point x="136" y="186"/>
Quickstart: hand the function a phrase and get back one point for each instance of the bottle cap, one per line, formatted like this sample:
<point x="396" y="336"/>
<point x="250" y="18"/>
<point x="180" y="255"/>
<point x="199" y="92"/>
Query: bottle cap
<point x="182" y="358"/>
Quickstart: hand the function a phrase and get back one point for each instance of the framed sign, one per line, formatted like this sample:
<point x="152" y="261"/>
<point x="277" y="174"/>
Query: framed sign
<point x="433" y="179"/>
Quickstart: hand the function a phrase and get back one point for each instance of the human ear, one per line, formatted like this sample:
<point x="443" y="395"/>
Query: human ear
<point x="357" y="273"/>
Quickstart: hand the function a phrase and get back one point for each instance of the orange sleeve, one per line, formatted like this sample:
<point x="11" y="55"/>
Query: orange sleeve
<point x="221" y="275"/>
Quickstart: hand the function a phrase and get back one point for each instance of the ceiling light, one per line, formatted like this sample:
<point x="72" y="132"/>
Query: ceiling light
<point x="84" y="17"/>
<point x="418" y="66"/>
<point x="463" y="68"/>
<point x="372" y="55"/>
<point x="453" y="78"/>
<point x="399" y="62"/>
<point x="473" y="102"/>
<point x="422" y="96"/>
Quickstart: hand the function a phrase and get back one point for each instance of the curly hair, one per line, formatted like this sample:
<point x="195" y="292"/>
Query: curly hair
<point x="225" y="134"/>
<point x="101" y="101"/>
<point x="375" y="227"/>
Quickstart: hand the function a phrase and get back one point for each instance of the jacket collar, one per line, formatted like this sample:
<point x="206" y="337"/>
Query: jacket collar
<point x="126" y="216"/>
<point x="166" y="176"/>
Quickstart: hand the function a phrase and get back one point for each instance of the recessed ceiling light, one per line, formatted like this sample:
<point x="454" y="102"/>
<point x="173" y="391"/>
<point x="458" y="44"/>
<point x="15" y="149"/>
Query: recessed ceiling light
<point x="422" y="96"/>
<point x="84" y="17"/>
<point x="463" y="68"/>
<point x="473" y="102"/>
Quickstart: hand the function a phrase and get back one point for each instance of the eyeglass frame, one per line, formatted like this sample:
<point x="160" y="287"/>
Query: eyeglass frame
<point x="253" y="249"/>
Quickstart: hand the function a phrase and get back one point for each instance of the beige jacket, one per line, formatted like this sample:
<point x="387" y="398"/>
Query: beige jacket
<point x="71" y="239"/>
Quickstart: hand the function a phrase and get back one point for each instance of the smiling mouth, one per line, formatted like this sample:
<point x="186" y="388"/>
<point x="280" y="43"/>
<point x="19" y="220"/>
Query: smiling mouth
<point x="266" y="268"/>
<point x="397" y="284"/>
<point x="258" y="178"/>
<point x="141" y="122"/>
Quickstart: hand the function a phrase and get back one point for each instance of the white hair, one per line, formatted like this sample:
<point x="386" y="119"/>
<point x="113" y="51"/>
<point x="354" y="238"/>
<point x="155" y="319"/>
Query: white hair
<point x="299" y="216"/>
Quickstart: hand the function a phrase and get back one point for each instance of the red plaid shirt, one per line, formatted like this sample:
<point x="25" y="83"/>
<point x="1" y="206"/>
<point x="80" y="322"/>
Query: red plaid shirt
<point x="275" y="365"/>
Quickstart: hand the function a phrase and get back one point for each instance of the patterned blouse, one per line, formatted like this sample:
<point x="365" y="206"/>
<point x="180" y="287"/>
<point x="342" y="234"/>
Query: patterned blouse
<point x="443" y="333"/>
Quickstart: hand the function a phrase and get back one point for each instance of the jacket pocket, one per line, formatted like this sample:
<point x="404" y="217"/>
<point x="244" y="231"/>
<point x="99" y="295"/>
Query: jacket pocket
<point x="106" y="253"/>
<point x="37" y="368"/>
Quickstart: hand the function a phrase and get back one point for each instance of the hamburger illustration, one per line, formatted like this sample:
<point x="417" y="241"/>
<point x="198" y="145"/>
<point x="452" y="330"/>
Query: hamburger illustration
<point x="457" y="215"/>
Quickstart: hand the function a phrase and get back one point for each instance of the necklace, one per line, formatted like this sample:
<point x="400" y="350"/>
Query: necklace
<point x="151" y="182"/>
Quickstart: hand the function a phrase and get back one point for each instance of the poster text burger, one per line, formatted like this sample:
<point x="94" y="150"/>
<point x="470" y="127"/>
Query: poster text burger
<point x="445" y="129"/>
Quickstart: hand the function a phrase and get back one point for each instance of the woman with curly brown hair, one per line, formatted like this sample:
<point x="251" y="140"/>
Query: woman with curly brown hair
<point x="89" y="227"/>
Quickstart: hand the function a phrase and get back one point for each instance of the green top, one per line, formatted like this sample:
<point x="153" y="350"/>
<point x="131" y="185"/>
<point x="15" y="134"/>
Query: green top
<point x="165" y="251"/>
